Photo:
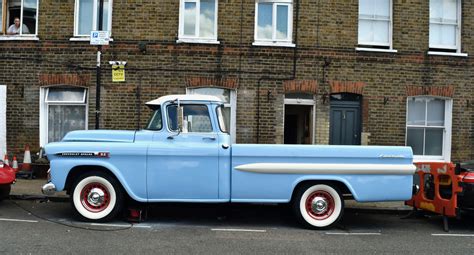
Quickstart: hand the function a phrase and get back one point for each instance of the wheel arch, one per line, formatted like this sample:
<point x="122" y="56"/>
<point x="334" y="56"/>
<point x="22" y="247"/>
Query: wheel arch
<point x="76" y="171"/>
<point x="343" y="186"/>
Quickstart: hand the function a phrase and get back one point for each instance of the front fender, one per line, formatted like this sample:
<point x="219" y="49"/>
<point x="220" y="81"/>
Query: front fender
<point x="131" y="178"/>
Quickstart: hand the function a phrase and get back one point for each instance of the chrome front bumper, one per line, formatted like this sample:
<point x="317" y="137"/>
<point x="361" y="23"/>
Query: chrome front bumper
<point x="48" y="189"/>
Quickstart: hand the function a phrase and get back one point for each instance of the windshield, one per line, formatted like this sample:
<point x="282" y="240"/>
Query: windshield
<point x="155" y="122"/>
<point x="221" y="119"/>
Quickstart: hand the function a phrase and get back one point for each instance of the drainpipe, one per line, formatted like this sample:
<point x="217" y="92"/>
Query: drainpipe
<point x="98" y="70"/>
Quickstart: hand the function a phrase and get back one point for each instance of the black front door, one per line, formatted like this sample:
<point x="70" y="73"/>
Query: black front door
<point x="345" y="120"/>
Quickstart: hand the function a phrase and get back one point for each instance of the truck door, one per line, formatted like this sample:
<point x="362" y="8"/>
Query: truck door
<point x="184" y="166"/>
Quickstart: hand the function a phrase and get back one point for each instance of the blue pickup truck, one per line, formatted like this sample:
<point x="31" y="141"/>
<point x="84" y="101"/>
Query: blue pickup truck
<point x="185" y="155"/>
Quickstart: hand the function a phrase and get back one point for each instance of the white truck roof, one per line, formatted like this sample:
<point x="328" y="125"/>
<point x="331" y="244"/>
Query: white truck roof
<point x="164" y="99"/>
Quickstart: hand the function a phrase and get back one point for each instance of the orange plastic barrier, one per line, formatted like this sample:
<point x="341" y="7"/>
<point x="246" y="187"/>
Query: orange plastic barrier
<point x="439" y="186"/>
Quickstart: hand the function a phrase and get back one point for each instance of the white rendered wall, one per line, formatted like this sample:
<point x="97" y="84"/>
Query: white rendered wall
<point x="3" y="120"/>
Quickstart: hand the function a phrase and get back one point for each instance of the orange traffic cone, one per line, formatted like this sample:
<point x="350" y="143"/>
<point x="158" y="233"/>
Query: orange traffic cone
<point x="5" y="160"/>
<point x="26" y="166"/>
<point x="15" y="164"/>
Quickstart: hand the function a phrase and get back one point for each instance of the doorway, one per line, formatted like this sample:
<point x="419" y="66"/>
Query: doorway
<point x="299" y="118"/>
<point x="345" y="119"/>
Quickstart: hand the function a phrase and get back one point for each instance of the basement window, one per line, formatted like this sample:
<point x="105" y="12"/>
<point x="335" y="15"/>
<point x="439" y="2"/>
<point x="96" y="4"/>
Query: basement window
<point x="19" y="18"/>
<point x="62" y="109"/>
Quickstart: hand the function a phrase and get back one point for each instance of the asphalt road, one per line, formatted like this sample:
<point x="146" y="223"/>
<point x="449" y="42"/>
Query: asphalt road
<point x="49" y="228"/>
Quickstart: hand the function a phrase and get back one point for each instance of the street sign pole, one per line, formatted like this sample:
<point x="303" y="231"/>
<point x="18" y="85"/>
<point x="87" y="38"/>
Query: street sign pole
<point x="98" y="70"/>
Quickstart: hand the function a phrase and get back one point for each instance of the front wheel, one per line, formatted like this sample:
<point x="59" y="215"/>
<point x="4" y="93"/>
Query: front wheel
<point x="318" y="205"/>
<point x="97" y="196"/>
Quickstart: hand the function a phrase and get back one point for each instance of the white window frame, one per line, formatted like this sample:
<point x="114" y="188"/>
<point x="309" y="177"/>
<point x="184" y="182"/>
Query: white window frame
<point x="390" y="33"/>
<point x="44" y="112"/>
<point x="21" y="36"/>
<point x="197" y="38"/>
<point x="274" y="41"/>
<point x="446" y="153"/>
<point x="457" y="47"/>
<point x="308" y="102"/>
<point x="95" y="16"/>
<point x="232" y="105"/>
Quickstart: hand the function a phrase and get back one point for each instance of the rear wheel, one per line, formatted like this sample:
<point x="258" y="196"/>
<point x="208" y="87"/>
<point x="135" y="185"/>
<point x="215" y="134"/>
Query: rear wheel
<point x="97" y="196"/>
<point x="4" y="191"/>
<point x="318" y="205"/>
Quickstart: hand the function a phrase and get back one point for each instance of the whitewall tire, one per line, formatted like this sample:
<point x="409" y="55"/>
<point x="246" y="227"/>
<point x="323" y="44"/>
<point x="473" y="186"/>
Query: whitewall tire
<point x="97" y="197"/>
<point x="318" y="205"/>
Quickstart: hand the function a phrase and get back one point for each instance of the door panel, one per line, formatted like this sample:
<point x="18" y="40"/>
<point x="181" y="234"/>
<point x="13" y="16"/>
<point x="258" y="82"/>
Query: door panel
<point x="345" y="123"/>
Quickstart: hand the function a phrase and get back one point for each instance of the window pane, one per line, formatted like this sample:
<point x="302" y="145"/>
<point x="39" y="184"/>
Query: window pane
<point x="435" y="34"/>
<point x="435" y="112"/>
<point x="282" y="22"/>
<point x="66" y="95"/>
<point x="155" y="122"/>
<point x="434" y="142"/>
<point x="223" y="94"/>
<point x="105" y="17"/>
<point x="29" y="16"/>
<point x="299" y="96"/>
<point x="264" y="23"/>
<point x="226" y="113"/>
<point x="448" y="35"/>
<point x="415" y="140"/>
<point x="366" y="7"/>
<point x="436" y="9"/>
<point x="207" y="18"/>
<point x="196" y="118"/>
<point x="86" y="8"/>
<point x="450" y="11"/>
<point x="381" y="31"/>
<point x="189" y="18"/>
<point x="416" y="111"/>
<point x="382" y="8"/>
<point x="365" y="31"/>
<point x="65" y="118"/>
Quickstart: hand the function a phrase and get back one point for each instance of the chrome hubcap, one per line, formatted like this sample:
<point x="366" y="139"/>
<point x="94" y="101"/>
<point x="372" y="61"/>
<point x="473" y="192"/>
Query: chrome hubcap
<point x="319" y="205"/>
<point x="96" y="197"/>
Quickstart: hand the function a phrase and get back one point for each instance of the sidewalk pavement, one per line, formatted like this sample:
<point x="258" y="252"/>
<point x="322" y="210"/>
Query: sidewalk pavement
<point x="31" y="189"/>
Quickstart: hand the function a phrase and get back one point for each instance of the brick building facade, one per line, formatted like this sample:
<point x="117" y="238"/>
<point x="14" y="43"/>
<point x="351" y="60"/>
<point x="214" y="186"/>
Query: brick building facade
<point x="342" y="71"/>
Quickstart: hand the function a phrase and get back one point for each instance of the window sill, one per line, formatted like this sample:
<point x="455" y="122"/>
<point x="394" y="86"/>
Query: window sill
<point x="18" y="38"/>
<point x="84" y="39"/>
<point x="197" y="40"/>
<point x="376" y="50"/>
<point x="274" y="44"/>
<point x="453" y="54"/>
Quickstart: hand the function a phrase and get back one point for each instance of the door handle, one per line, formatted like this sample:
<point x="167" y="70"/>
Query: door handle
<point x="225" y="146"/>
<point x="209" y="138"/>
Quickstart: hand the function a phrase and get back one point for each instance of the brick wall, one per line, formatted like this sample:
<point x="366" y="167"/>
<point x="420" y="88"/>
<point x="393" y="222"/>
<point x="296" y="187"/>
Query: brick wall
<point x="326" y="56"/>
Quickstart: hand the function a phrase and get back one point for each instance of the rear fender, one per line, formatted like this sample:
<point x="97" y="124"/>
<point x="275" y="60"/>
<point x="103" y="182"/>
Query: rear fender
<point x="338" y="179"/>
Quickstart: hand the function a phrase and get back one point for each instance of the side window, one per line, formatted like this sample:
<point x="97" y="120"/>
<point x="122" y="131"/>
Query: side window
<point x="155" y="122"/>
<point x="196" y="119"/>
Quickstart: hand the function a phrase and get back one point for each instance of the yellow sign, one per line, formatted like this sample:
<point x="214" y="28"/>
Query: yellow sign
<point x="118" y="73"/>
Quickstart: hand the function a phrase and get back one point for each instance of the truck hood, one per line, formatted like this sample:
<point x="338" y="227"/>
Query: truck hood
<point x="100" y="136"/>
